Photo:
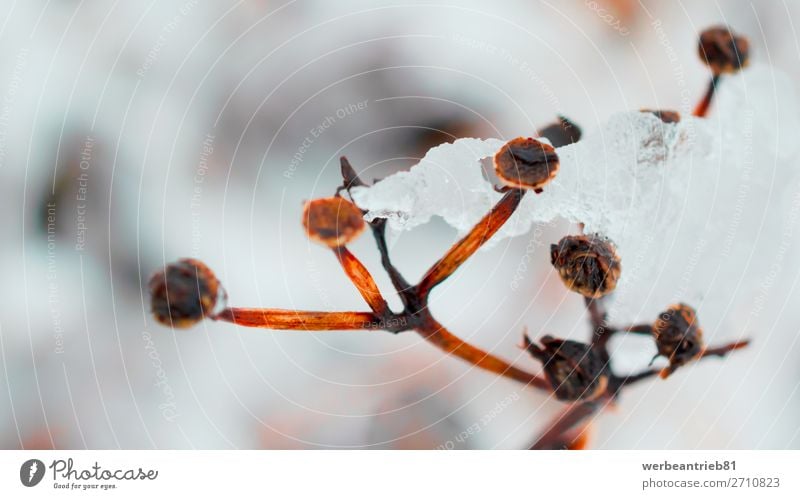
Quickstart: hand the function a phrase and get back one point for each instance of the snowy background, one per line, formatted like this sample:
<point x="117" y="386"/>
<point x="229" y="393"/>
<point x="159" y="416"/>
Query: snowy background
<point x="136" y="133"/>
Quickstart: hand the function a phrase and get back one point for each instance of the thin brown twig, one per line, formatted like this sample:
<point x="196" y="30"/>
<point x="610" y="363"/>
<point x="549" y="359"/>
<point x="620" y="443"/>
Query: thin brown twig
<point x="467" y="246"/>
<point x="719" y="351"/>
<point x="570" y="426"/>
<point x="414" y="298"/>
<point x="379" y="233"/>
<point x="362" y="280"/>
<point x="378" y="226"/>
<point x="705" y="103"/>
<point x="438" y="335"/>
<point x="572" y="417"/>
<point x="723" y="350"/>
<point x="280" y="319"/>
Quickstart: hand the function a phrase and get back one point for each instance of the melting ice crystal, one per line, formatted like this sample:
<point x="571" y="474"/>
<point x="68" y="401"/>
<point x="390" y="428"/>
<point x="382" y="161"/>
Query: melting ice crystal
<point x="709" y="193"/>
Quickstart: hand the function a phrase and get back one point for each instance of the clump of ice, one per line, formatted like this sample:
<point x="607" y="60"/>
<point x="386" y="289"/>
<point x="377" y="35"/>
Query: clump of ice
<point x="697" y="208"/>
<point x="610" y="181"/>
<point x="448" y="182"/>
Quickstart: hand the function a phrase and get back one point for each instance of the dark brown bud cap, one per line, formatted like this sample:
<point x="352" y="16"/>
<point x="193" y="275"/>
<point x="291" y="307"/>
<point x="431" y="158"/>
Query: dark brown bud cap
<point x="678" y="336"/>
<point x="664" y="115"/>
<point x="332" y="221"/>
<point x="588" y="265"/>
<point x="574" y="369"/>
<point x="723" y="51"/>
<point x="526" y="163"/>
<point x="562" y="133"/>
<point x="183" y="293"/>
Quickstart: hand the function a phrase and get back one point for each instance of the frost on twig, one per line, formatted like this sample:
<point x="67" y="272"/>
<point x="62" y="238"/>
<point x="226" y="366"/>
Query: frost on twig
<point x="445" y="182"/>
<point x="657" y="190"/>
<point x="607" y="181"/>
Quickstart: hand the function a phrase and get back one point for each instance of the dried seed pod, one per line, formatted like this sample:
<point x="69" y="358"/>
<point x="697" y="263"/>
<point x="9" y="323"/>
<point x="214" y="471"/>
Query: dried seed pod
<point x="332" y="221"/>
<point x="723" y="51"/>
<point x="665" y="115"/>
<point x="526" y="163"/>
<point x="678" y="336"/>
<point x="183" y="293"/>
<point x="575" y="370"/>
<point x="562" y="133"/>
<point x="588" y="265"/>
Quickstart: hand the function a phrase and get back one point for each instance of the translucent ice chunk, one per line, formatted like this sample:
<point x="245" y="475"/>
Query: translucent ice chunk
<point x="611" y="181"/>
<point x="447" y="182"/>
<point x="759" y="103"/>
<point x="703" y="210"/>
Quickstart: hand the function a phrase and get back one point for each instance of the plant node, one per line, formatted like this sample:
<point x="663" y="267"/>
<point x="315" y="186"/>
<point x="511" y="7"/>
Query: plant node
<point x="723" y="51"/>
<point x="678" y="336"/>
<point x="526" y="163"/>
<point x="588" y="265"/>
<point x="183" y="293"/>
<point x="332" y="221"/>
<point x="575" y="370"/>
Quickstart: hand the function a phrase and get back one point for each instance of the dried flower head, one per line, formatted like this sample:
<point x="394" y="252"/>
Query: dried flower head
<point x="678" y="336"/>
<point x="562" y="133"/>
<point x="575" y="370"/>
<point x="723" y="51"/>
<point x="588" y="265"/>
<point x="332" y="221"/>
<point x="183" y="293"/>
<point x="526" y="163"/>
<point x="665" y="115"/>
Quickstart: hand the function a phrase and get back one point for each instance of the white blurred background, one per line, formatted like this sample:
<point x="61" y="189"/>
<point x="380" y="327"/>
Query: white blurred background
<point x="136" y="133"/>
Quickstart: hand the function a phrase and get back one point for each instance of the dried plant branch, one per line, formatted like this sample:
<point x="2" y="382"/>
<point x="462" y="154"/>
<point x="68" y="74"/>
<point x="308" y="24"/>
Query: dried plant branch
<point x="415" y="297"/>
<point x="705" y="103"/>
<point x="597" y="312"/>
<point x="579" y="373"/>
<point x="279" y="319"/>
<point x="633" y="378"/>
<point x="467" y="246"/>
<point x="720" y="351"/>
<point x="560" y="432"/>
<point x="379" y="233"/>
<point x="724" y="52"/>
<point x="378" y="227"/>
<point x="362" y="280"/>
<point x="438" y="335"/>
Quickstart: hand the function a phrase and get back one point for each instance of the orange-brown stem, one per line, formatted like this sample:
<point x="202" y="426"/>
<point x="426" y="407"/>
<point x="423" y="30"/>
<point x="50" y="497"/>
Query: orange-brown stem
<point x="597" y="312"/>
<point x="362" y="280"/>
<point x="598" y="319"/>
<point x="723" y="350"/>
<point x="603" y="333"/>
<point x="479" y="234"/>
<point x="450" y="343"/>
<point x="720" y="351"/>
<point x="567" y="428"/>
<point x="579" y="437"/>
<point x="378" y="226"/>
<point x="702" y="107"/>
<point x="274" y="318"/>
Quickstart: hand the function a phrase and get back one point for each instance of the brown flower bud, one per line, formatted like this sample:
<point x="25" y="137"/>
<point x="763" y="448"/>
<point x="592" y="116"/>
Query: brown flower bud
<point x="574" y="369"/>
<point x="332" y="221"/>
<point x="562" y="133"/>
<point x="183" y="293"/>
<point x="723" y="51"/>
<point x="678" y="336"/>
<point x="664" y="115"/>
<point x="526" y="163"/>
<point x="588" y="265"/>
